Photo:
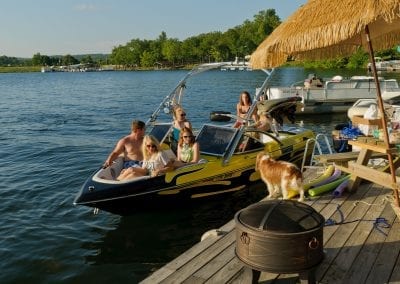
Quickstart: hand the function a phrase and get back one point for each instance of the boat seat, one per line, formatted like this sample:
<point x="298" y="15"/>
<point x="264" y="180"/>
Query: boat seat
<point x="111" y="172"/>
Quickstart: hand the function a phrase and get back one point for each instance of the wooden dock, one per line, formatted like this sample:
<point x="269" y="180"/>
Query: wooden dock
<point x="361" y="245"/>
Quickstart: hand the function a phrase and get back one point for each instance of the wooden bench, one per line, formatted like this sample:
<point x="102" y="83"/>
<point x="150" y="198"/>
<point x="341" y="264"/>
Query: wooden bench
<point x="342" y="159"/>
<point x="355" y="163"/>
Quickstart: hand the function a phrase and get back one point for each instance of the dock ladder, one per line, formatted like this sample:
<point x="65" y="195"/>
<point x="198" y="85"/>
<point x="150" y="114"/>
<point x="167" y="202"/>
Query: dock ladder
<point x="316" y="148"/>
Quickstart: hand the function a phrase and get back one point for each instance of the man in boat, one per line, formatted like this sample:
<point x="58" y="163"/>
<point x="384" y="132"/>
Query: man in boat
<point x="130" y="146"/>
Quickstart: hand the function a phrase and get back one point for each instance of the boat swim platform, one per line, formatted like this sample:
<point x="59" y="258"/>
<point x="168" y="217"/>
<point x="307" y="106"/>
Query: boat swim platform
<point x="361" y="245"/>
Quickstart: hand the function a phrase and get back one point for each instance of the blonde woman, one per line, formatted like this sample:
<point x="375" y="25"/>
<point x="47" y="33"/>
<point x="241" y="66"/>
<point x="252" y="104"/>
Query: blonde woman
<point x="155" y="161"/>
<point x="180" y="121"/>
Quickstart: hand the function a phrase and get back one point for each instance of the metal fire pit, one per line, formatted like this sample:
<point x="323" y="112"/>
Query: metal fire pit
<point x="280" y="236"/>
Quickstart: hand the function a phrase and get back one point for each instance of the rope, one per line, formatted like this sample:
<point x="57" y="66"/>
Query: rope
<point x="378" y="223"/>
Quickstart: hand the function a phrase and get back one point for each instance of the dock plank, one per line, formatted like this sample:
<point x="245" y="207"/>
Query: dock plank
<point x="335" y="236"/>
<point x="362" y="265"/>
<point x="228" y="273"/>
<point x="349" y="251"/>
<point x="213" y="266"/>
<point x="395" y="277"/>
<point x="187" y="256"/>
<point x="389" y="255"/>
<point x="200" y="260"/>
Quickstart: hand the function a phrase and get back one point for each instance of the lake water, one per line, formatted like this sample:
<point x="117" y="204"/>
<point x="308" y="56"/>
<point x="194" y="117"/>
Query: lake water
<point x="57" y="128"/>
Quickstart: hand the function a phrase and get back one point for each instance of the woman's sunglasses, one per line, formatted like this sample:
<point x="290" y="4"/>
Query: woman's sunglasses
<point x="151" y="146"/>
<point x="183" y="114"/>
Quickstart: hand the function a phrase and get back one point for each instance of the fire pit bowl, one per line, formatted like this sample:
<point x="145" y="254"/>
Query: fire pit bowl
<point x="279" y="236"/>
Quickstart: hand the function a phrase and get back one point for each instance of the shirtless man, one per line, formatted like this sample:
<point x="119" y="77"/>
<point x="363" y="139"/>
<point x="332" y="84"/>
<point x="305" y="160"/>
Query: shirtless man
<point x="130" y="146"/>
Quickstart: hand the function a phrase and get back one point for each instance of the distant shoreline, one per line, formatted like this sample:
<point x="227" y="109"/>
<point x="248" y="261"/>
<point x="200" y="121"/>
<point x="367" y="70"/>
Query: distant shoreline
<point x="27" y="69"/>
<point x="20" y="69"/>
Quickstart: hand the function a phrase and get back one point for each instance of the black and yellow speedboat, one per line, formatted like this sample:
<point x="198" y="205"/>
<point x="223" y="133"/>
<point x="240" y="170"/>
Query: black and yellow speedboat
<point x="227" y="159"/>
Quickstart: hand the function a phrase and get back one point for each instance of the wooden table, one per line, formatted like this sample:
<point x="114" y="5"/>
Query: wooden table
<point x="359" y="170"/>
<point x="355" y="163"/>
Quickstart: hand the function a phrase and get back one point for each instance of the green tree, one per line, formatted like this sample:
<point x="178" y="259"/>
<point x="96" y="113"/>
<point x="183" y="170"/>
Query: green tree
<point x="10" y="61"/>
<point x="171" y="50"/>
<point x="148" y="59"/>
<point x="136" y="49"/>
<point x="37" y="59"/>
<point x="190" y="49"/>
<point x="69" y="60"/>
<point x="87" y="60"/>
<point x="358" y="59"/>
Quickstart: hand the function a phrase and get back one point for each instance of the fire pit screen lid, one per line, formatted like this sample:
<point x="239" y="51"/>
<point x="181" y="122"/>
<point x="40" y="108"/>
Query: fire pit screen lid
<point x="281" y="216"/>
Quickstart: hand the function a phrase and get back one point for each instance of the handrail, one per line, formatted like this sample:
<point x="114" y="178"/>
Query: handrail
<point x="317" y="147"/>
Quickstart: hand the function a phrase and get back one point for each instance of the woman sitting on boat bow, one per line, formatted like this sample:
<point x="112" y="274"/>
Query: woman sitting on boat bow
<point x="243" y="107"/>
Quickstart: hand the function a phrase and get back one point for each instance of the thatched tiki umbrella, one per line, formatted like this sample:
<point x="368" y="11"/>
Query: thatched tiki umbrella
<point x="325" y="29"/>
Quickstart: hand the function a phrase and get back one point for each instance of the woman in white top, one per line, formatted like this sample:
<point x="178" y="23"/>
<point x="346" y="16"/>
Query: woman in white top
<point x="155" y="161"/>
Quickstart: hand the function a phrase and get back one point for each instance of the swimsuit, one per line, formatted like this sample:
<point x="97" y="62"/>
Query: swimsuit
<point x="243" y="112"/>
<point x="175" y="133"/>
<point x="132" y="164"/>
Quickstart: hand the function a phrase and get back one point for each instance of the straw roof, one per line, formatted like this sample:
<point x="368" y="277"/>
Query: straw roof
<point x="326" y="29"/>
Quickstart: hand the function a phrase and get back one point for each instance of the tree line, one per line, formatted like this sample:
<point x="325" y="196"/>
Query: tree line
<point x="171" y="52"/>
<point x="165" y="52"/>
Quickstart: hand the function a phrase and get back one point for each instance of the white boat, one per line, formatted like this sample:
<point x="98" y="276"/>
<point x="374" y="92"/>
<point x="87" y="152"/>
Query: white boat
<point x="237" y="65"/>
<point x="334" y="95"/>
<point x="362" y="105"/>
<point x="385" y="65"/>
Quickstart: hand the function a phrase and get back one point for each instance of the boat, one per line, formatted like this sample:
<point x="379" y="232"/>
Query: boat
<point x="334" y="95"/>
<point x="362" y="105"/>
<point x="227" y="161"/>
<point x="237" y="65"/>
<point x="385" y="65"/>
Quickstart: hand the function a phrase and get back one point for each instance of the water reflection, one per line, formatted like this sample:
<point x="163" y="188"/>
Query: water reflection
<point x="151" y="239"/>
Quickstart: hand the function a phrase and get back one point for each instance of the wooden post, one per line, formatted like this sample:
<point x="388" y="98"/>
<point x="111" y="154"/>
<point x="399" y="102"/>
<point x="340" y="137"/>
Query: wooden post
<point x="384" y="121"/>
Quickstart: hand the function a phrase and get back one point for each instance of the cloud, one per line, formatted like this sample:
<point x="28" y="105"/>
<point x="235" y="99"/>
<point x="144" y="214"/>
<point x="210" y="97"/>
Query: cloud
<point x="86" y="7"/>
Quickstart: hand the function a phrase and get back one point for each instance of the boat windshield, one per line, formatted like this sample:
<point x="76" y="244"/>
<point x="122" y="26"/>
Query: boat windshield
<point x="160" y="131"/>
<point x="215" y="140"/>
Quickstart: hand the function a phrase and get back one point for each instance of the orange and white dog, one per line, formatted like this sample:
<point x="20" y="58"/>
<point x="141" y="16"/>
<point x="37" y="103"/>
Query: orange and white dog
<point x="279" y="175"/>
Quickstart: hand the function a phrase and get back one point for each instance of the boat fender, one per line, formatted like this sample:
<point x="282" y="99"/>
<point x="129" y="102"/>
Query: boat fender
<point x="212" y="233"/>
<point x="220" y="116"/>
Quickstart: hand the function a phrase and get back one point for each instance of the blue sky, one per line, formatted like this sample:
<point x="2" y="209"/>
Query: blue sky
<point x="54" y="27"/>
